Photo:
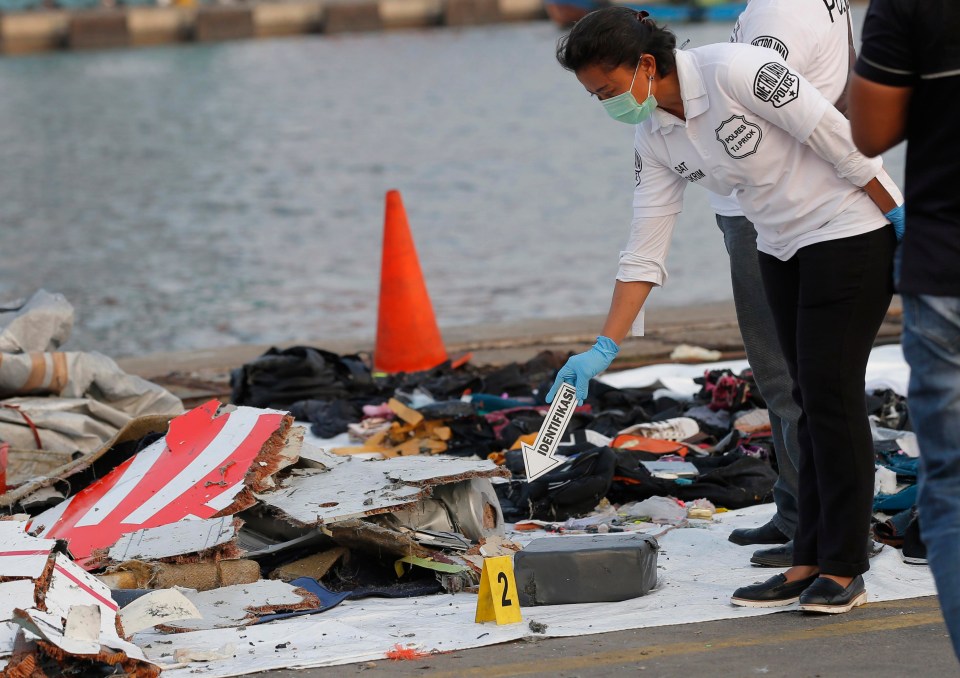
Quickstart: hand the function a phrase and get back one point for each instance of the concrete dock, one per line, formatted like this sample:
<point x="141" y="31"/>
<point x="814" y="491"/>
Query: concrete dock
<point x="45" y="30"/>
<point x="195" y="375"/>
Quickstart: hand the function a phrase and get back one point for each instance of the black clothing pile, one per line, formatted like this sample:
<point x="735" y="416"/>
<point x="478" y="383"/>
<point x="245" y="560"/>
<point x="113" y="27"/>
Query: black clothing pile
<point x="489" y="409"/>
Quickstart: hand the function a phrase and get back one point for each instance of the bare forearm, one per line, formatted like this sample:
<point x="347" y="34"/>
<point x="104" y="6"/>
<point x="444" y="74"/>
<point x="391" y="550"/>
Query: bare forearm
<point x="880" y="196"/>
<point x="878" y="114"/>
<point x="628" y="299"/>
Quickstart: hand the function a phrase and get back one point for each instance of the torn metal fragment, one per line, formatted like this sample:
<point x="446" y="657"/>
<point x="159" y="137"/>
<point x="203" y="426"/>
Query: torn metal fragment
<point x="155" y="608"/>
<point x="206" y="466"/>
<point x="341" y="489"/>
<point x="214" y="538"/>
<point x="240" y="605"/>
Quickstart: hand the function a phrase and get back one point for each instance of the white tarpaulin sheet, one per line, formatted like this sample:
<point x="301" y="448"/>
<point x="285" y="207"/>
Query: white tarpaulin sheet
<point x="885" y="369"/>
<point x="699" y="571"/>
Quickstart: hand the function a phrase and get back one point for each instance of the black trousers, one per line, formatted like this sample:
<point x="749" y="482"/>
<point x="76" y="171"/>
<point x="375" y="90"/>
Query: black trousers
<point x="828" y="301"/>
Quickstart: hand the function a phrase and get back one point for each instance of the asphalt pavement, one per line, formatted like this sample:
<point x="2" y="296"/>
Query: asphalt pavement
<point x="881" y="640"/>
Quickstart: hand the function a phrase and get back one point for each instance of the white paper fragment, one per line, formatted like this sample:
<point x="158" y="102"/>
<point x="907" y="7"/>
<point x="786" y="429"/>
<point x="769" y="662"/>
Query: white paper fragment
<point x="163" y="606"/>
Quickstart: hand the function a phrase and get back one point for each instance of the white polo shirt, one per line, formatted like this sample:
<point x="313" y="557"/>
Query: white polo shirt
<point x="748" y="117"/>
<point x="812" y="36"/>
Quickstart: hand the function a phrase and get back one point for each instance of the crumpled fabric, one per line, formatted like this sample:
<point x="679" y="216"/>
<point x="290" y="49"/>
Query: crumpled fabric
<point x="64" y="402"/>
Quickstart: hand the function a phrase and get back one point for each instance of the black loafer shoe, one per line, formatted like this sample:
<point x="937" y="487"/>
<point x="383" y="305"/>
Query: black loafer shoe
<point x="828" y="597"/>
<point x="765" y="534"/>
<point x="778" y="556"/>
<point x="775" y="592"/>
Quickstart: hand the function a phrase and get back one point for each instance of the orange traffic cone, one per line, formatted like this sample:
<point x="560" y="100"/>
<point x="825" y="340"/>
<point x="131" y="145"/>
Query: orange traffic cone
<point x="408" y="339"/>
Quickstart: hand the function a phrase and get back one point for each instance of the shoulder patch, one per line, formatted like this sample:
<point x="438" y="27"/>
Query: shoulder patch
<point x="739" y="137"/>
<point x="772" y="43"/>
<point x="776" y="84"/>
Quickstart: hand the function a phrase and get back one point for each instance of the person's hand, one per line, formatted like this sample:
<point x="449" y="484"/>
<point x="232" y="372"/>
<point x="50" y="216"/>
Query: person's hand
<point x="583" y="367"/>
<point x="896" y="217"/>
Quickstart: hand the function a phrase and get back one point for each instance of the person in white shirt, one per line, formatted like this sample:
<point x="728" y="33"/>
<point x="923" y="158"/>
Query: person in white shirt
<point x="735" y="118"/>
<point x="815" y="38"/>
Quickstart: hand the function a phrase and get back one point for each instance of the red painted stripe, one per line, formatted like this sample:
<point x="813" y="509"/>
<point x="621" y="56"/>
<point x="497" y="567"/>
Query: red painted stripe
<point x="25" y="553"/>
<point x="69" y="575"/>
<point x="189" y="437"/>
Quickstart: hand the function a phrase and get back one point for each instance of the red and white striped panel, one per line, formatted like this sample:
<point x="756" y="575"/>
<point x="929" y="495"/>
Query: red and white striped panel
<point x="194" y="472"/>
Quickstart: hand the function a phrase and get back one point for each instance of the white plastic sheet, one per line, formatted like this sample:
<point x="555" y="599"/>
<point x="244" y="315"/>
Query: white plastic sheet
<point x="700" y="569"/>
<point x="885" y="369"/>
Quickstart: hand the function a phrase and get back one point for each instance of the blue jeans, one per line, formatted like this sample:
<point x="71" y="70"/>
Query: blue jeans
<point x="931" y="344"/>
<point x="767" y="362"/>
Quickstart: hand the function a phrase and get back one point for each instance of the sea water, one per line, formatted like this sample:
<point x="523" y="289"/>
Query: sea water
<point x="205" y="195"/>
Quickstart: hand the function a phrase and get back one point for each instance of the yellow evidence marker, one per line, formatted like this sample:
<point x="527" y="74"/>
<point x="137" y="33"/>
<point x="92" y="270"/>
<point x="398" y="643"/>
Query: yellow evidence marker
<point x="498" y="600"/>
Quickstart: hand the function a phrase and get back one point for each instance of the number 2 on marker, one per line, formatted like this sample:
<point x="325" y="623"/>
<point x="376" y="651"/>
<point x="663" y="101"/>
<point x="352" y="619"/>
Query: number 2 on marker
<point x="502" y="579"/>
<point x="497" y="599"/>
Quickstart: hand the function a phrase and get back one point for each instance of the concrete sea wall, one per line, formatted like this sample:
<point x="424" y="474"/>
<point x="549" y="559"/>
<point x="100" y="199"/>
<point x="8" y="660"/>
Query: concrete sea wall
<point x="44" y="30"/>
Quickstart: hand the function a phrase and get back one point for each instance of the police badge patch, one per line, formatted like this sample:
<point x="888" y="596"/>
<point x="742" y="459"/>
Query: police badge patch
<point x="772" y="43"/>
<point x="638" y="166"/>
<point x="775" y="84"/>
<point x="739" y="137"/>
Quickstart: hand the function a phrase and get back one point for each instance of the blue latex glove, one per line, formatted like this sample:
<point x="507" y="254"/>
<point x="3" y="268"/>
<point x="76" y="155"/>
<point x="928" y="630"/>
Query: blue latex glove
<point x="896" y="217"/>
<point x="583" y="367"/>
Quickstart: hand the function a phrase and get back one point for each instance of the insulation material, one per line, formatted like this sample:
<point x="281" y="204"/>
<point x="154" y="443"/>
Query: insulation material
<point x="73" y="472"/>
<point x="157" y="607"/>
<point x="699" y="569"/>
<point x="368" y="537"/>
<point x="205" y="467"/>
<point x="315" y="566"/>
<point x="347" y="488"/>
<point x="232" y="606"/>
<point x="136" y="574"/>
<point x="177" y="539"/>
<point x="23" y="465"/>
<point x="206" y="576"/>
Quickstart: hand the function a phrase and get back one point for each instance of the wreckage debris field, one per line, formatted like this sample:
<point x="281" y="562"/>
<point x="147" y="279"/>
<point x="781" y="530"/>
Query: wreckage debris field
<point x="331" y="515"/>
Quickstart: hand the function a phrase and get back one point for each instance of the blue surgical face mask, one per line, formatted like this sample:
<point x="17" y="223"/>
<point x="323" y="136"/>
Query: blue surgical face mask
<point x="624" y="107"/>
